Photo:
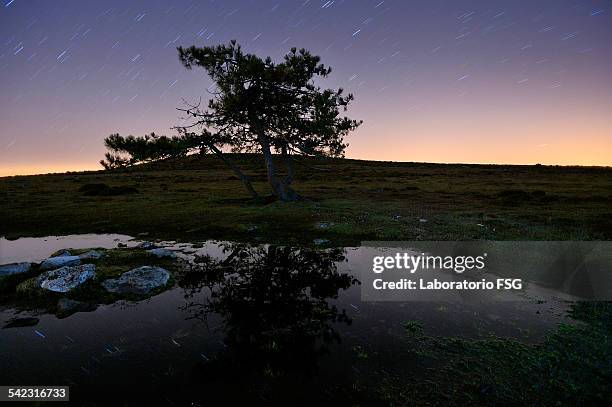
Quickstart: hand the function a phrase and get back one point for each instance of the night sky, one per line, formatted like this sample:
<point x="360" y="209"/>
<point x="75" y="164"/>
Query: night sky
<point x="440" y="81"/>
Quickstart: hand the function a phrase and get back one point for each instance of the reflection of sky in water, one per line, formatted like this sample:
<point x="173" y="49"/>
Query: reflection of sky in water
<point x="36" y="249"/>
<point x="156" y="344"/>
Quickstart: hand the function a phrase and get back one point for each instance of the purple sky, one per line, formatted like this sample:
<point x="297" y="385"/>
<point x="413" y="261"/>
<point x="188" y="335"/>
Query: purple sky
<point x="442" y="81"/>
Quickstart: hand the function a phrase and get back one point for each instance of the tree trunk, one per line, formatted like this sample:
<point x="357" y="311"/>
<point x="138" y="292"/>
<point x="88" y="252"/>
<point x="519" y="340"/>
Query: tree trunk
<point x="245" y="180"/>
<point x="294" y="196"/>
<point x="288" y="164"/>
<point x="281" y="189"/>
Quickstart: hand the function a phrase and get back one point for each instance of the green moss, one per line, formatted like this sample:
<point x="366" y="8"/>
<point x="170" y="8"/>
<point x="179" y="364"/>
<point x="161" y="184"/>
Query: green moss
<point x="30" y="289"/>
<point x="117" y="261"/>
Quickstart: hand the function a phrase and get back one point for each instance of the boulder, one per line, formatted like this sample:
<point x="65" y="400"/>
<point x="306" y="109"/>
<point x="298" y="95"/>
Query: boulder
<point x="161" y="252"/>
<point x="60" y="261"/>
<point x="14" y="268"/>
<point x="141" y="280"/>
<point x="66" y="278"/>
<point x="92" y="254"/>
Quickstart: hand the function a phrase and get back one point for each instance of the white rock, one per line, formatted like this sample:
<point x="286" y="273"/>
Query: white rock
<point x="60" y="261"/>
<point x="140" y="280"/>
<point x="66" y="278"/>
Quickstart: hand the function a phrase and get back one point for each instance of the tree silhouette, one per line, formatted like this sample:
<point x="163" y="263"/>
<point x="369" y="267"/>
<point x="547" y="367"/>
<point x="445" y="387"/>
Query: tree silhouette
<point x="266" y="107"/>
<point x="130" y="150"/>
<point x="275" y="303"/>
<point x="258" y="106"/>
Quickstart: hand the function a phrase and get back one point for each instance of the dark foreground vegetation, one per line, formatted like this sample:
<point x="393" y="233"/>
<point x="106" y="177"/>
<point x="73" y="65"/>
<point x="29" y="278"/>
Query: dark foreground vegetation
<point x="570" y="368"/>
<point x="345" y="201"/>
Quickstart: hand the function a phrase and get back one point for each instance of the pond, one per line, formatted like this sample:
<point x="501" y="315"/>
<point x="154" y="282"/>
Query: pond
<point x="258" y="324"/>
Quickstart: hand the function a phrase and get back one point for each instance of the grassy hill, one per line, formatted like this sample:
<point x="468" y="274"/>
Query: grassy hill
<point x="345" y="201"/>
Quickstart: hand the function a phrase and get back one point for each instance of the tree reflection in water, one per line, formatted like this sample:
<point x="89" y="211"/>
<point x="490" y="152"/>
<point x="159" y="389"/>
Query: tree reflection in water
<point x="274" y="302"/>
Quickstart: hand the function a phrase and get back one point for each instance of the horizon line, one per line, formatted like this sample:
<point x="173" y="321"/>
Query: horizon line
<point x="88" y="170"/>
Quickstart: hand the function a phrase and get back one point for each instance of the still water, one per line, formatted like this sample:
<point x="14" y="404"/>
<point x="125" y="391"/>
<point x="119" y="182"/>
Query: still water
<point x="257" y="324"/>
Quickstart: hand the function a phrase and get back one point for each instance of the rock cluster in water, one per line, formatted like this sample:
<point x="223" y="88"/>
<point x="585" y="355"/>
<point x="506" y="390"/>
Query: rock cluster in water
<point x="64" y="271"/>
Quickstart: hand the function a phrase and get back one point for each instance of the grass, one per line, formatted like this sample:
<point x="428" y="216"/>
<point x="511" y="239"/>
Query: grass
<point x="345" y="201"/>
<point x="571" y="367"/>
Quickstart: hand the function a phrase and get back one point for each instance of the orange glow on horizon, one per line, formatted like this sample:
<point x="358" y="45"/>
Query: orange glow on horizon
<point x="562" y="153"/>
<point x="45" y="169"/>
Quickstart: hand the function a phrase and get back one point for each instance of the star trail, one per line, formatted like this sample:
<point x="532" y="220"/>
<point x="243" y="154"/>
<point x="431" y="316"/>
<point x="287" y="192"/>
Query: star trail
<point x="440" y="81"/>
